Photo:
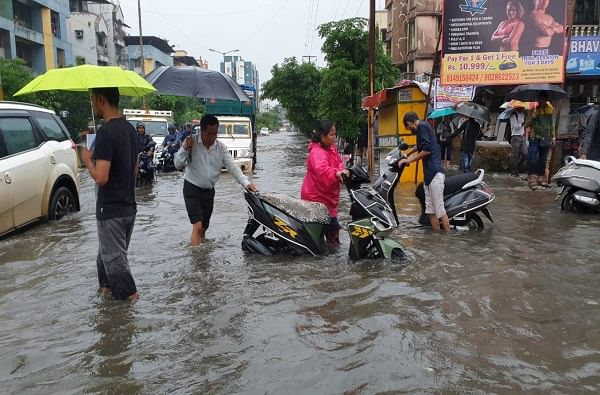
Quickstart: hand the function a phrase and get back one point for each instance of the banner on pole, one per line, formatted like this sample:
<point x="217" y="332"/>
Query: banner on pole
<point x="448" y="96"/>
<point x="503" y="42"/>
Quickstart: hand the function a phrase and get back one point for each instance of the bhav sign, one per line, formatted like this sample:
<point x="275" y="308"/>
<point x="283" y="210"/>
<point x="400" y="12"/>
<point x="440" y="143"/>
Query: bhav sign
<point x="503" y="42"/>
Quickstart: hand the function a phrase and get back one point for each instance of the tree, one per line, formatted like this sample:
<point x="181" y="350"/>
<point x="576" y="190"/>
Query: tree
<point x="15" y="74"/>
<point x="268" y="120"/>
<point x="346" y="79"/>
<point x="296" y="87"/>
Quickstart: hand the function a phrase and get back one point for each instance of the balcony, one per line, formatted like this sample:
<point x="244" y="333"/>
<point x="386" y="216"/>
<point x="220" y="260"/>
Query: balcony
<point x="584" y="30"/>
<point x="28" y="34"/>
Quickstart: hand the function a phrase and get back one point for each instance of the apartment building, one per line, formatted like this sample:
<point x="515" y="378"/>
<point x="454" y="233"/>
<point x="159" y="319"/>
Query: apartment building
<point x="242" y="72"/>
<point x="157" y="52"/>
<point x="97" y="32"/>
<point x="36" y="31"/>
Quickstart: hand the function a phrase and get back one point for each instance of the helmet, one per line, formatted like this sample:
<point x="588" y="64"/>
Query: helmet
<point x="137" y="125"/>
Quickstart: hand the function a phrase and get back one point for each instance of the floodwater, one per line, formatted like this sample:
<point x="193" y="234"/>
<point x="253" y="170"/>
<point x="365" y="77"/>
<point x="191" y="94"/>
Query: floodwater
<point x="513" y="309"/>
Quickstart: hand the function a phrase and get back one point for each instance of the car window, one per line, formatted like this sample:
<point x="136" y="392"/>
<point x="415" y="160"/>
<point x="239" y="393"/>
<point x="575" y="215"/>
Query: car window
<point x="18" y="135"/>
<point x="50" y="127"/>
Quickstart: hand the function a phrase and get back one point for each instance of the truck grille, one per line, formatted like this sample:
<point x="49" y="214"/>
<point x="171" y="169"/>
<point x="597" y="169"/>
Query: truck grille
<point x="233" y="153"/>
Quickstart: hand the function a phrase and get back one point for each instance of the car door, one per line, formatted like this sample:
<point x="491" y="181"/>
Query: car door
<point x="25" y="168"/>
<point x="6" y="206"/>
<point x="58" y="145"/>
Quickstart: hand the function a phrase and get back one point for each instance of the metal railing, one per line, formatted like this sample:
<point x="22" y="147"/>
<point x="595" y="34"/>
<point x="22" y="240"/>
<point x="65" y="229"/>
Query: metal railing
<point x="584" y="30"/>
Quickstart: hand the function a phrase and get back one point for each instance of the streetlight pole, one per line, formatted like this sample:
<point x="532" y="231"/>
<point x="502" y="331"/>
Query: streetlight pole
<point x="224" y="53"/>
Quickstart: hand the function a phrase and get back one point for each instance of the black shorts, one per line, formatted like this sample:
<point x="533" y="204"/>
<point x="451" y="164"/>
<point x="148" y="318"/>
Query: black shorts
<point x="198" y="203"/>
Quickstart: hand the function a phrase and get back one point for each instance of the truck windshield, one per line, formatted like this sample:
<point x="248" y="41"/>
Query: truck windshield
<point x="241" y="129"/>
<point x="153" y="128"/>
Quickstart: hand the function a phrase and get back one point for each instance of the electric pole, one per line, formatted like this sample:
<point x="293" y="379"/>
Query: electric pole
<point x="309" y="58"/>
<point x="370" y="148"/>
<point x="141" y="40"/>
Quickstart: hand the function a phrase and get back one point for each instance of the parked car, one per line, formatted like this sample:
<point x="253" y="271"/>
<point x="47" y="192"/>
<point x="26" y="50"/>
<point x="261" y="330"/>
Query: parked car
<point x="39" y="177"/>
<point x="264" y="131"/>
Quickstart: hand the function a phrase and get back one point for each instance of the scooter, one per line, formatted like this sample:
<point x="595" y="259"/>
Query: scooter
<point x="166" y="160"/>
<point x="146" y="167"/>
<point x="579" y="180"/>
<point x="465" y="196"/>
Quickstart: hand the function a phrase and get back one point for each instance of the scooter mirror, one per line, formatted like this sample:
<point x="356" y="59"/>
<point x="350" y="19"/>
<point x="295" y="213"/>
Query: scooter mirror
<point x="402" y="145"/>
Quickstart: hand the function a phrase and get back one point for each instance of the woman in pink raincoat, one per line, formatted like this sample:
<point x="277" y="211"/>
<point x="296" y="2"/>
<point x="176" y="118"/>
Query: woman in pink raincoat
<point x="324" y="170"/>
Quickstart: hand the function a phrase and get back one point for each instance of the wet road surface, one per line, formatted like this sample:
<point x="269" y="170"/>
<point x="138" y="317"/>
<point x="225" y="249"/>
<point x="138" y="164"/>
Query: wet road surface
<point x="513" y="309"/>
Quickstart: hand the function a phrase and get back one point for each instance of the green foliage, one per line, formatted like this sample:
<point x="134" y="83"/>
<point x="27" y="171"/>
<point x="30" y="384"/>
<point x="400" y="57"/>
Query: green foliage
<point x="268" y="120"/>
<point x="346" y="79"/>
<point x="296" y="87"/>
<point x="15" y="74"/>
<point x="184" y="108"/>
<point x="336" y="91"/>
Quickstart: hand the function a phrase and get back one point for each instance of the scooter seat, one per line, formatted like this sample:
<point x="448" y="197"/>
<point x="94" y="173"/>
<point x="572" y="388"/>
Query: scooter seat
<point x="302" y="210"/>
<point x="454" y="184"/>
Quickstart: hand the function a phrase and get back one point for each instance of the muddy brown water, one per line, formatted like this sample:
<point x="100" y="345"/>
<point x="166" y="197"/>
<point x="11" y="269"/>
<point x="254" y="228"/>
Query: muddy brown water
<point x="513" y="309"/>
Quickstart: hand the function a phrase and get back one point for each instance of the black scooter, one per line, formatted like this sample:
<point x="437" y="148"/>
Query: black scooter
<point x="579" y="180"/>
<point x="465" y="195"/>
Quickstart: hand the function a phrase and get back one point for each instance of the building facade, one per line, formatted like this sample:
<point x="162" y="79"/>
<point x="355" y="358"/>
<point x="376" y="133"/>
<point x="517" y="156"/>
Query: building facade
<point x="37" y="32"/>
<point x="157" y="52"/>
<point x="242" y="72"/>
<point x="412" y="33"/>
<point x="97" y="32"/>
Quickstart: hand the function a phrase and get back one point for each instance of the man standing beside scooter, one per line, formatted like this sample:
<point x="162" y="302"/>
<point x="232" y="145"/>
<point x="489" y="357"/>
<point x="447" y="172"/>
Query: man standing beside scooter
<point x="428" y="150"/>
<point x="591" y="140"/>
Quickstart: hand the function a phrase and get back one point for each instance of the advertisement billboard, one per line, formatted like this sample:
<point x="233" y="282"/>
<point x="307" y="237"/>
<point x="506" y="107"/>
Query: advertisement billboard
<point x="584" y="56"/>
<point x="503" y="42"/>
<point x="448" y="96"/>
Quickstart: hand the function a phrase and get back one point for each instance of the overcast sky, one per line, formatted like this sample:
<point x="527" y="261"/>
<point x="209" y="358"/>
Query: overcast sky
<point x="265" y="31"/>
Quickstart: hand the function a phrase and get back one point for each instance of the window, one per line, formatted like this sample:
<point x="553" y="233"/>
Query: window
<point x="586" y="12"/>
<point x="18" y="135"/>
<point x="50" y="127"/>
<point x="411" y="36"/>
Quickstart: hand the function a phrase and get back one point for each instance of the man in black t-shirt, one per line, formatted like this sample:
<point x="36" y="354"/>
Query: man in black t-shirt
<point x="428" y="150"/>
<point x="112" y="164"/>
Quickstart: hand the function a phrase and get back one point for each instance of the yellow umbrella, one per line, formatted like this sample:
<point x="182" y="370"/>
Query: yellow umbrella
<point x="85" y="77"/>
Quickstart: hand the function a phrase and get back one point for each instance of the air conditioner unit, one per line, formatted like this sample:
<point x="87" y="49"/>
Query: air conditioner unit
<point x="79" y="34"/>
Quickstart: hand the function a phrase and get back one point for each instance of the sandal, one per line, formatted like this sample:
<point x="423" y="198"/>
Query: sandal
<point x="532" y="185"/>
<point x="543" y="184"/>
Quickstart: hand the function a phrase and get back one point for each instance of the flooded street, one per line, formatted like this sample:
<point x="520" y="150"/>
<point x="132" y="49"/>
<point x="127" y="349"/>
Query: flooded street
<point x="515" y="308"/>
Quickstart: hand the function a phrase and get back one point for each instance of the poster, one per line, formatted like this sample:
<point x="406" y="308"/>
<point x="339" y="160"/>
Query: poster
<point x="584" y="56"/>
<point x="503" y="42"/>
<point x="448" y="96"/>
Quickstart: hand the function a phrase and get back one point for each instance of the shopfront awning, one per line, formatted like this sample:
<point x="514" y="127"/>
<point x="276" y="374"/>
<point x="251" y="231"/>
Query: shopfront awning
<point x="375" y="100"/>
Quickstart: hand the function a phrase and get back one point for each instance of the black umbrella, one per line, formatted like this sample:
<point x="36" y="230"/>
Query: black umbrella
<point x="530" y="92"/>
<point x="195" y="82"/>
<point x="473" y="110"/>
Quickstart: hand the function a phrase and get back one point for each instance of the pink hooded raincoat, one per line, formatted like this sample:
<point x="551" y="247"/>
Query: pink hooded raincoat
<point x="320" y="182"/>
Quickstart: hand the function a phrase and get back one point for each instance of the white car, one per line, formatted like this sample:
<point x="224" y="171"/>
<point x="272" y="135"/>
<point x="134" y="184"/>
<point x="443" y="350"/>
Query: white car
<point x="39" y="176"/>
<point x="264" y="131"/>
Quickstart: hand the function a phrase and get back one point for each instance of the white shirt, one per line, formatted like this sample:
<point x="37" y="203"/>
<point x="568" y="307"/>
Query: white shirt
<point x="203" y="166"/>
<point x="517" y="120"/>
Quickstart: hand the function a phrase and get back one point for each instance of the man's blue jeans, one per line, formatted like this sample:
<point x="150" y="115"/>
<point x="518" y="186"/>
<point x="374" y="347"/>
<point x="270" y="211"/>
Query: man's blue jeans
<point x="536" y="158"/>
<point x="466" y="159"/>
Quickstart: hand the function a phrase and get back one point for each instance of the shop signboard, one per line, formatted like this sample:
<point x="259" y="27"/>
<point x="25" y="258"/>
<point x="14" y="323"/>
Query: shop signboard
<point x="450" y="95"/>
<point x="503" y="42"/>
<point x="584" y="56"/>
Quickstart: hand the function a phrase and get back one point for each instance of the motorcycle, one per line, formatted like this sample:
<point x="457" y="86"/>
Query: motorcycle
<point x="284" y="225"/>
<point x="465" y="196"/>
<point x="146" y="167"/>
<point x="579" y="180"/>
<point x="166" y="159"/>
